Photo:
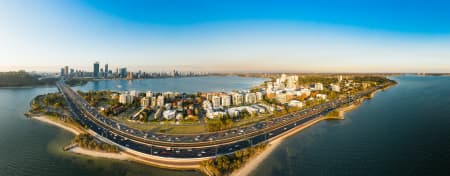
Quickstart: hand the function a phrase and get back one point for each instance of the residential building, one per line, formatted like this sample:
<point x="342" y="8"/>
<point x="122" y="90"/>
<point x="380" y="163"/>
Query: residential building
<point x="226" y="100"/>
<point x="250" y="98"/>
<point x="215" y="101"/>
<point x="125" y="99"/>
<point x="259" y="96"/>
<point x="134" y="93"/>
<point x="238" y="99"/>
<point x="149" y="94"/>
<point x="318" y="86"/>
<point x="281" y="97"/>
<point x="153" y="102"/>
<point x="160" y="101"/>
<point x="145" y="102"/>
<point x="335" y="87"/>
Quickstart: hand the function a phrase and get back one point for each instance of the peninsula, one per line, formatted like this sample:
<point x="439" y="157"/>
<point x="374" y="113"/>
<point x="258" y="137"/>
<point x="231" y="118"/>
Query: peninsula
<point x="215" y="132"/>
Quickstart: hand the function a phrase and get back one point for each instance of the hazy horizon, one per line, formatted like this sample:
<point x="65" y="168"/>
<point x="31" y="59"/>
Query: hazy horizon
<point x="226" y="36"/>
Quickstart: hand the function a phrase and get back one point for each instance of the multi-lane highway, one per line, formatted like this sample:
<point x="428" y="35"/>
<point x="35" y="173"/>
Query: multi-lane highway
<point x="193" y="145"/>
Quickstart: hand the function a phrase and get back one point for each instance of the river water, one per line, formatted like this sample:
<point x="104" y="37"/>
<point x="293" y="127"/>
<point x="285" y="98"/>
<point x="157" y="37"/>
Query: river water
<point x="404" y="130"/>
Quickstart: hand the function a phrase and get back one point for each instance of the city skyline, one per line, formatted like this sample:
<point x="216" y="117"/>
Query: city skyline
<point x="401" y="36"/>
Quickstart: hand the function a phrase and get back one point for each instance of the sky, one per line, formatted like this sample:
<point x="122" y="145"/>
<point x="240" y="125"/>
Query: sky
<point x="227" y="36"/>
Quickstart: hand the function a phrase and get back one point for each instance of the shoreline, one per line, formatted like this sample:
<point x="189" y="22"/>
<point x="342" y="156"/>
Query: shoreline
<point x="125" y="154"/>
<point x="98" y="154"/>
<point x="45" y="119"/>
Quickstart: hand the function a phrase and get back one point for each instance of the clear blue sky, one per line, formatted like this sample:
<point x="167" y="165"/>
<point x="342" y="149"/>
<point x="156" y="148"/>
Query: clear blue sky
<point x="310" y="35"/>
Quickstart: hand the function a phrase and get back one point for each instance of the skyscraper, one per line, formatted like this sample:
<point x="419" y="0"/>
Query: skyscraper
<point x="123" y="72"/>
<point x="66" y="71"/>
<point x="96" y="69"/>
<point x="106" y="68"/>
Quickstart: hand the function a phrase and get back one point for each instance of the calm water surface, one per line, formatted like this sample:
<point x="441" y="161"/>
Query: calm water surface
<point x="404" y="130"/>
<point x="187" y="85"/>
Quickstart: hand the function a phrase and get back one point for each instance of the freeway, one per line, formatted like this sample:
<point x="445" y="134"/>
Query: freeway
<point x="193" y="145"/>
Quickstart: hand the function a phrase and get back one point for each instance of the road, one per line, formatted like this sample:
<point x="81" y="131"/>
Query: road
<point x="193" y="145"/>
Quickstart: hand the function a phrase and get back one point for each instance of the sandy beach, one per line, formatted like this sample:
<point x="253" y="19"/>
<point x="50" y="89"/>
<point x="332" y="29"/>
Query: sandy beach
<point x="46" y="119"/>
<point x="118" y="156"/>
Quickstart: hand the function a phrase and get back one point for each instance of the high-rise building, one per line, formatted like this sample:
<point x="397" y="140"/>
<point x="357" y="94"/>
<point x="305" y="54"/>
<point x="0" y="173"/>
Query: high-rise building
<point x="216" y="101"/>
<point x="96" y="69"/>
<point x="62" y="72"/>
<point x="145" y="102"/>
<point x="130" y="76"/>
<point x="259" y="96"/>
<point x="123" y="72"/>
<point x="160" y="101"/>
<point x="106" y="68"/>
<point x="125" y="99"/>
<point x="226" y="100"/>
<point x="250" y="98"/>
<point x="238" y="99"/>
<point x="66" y="70"/>
<point x="134" y="93"/>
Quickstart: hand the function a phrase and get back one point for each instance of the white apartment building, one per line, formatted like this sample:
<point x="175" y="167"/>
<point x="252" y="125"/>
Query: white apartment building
<point x="134" y="93"/>
<point x="215" y="101"/>
<point x="238" y="99"/>
<point x="160" y="101"/>
<point x="318" y="86"/>
<point x="226" y="100"/>
<point x="145" y="102"/>
<point x="125" y="99"/>
<point x="250" y="98"/>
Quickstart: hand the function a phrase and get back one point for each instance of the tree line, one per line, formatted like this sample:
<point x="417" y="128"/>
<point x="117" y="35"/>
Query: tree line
<point x="89" y="142"/>
<point x="22" y="78"/>
<point x="226" y="164"/>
